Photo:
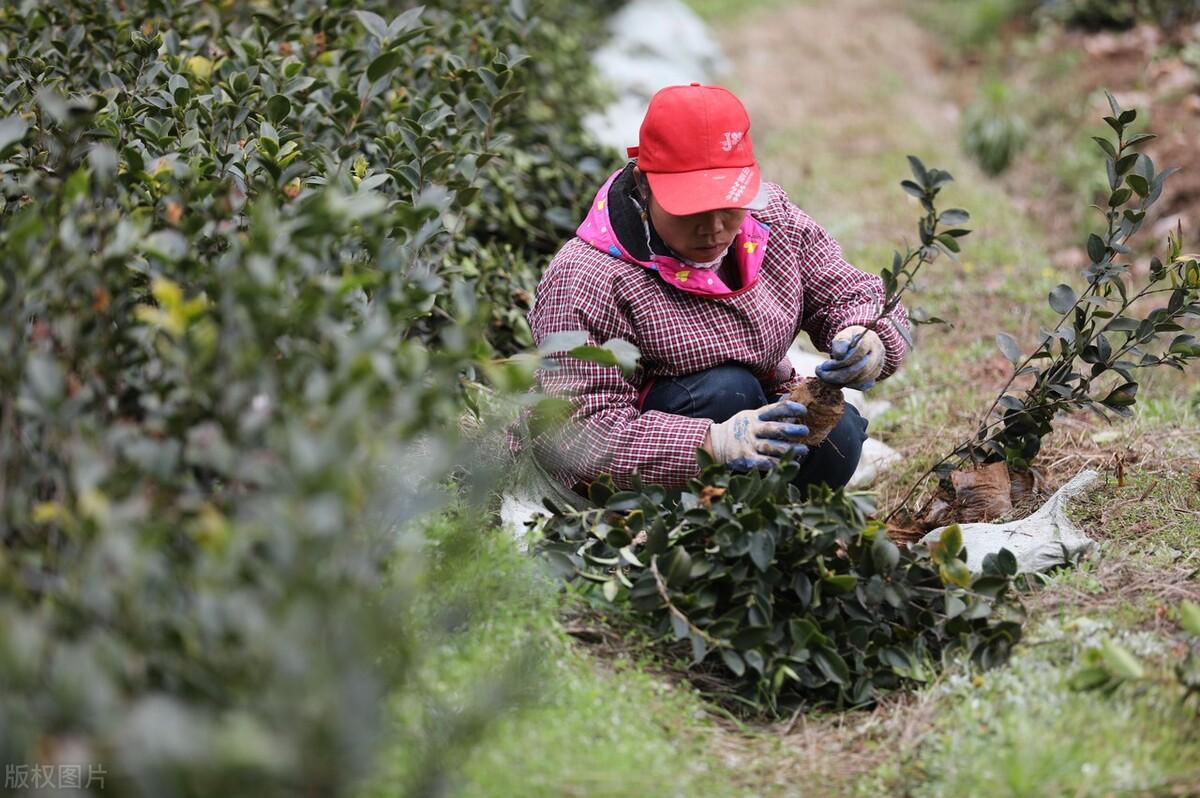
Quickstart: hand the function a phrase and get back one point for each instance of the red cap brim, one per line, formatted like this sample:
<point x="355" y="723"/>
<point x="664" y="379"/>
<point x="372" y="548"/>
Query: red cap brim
<point x="684" y="193"/>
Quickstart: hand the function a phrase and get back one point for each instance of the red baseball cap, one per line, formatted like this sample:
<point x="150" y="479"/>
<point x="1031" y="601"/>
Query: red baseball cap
<point x="694" y="147"/>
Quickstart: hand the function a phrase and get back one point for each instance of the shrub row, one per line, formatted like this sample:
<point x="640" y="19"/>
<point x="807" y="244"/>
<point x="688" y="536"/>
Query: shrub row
<point x="242" y="247"/>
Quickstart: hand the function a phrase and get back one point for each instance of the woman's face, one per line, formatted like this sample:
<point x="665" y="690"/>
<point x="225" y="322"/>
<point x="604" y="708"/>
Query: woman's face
<point x="699" y="237"/>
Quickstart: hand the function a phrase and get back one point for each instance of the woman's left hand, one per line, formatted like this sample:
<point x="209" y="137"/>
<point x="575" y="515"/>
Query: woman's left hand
<point x="853" y="363"/>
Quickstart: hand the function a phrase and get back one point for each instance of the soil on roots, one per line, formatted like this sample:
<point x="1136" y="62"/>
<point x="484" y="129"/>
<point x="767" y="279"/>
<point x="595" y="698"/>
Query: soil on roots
<point x="825" y="406"/>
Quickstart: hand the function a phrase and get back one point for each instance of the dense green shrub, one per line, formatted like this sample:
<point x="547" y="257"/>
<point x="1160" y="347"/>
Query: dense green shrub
<point x="1120" y="14"/>
<point x="233" y="292"/>
<point x="783" y="598"/>
<point x="993" y="131"/>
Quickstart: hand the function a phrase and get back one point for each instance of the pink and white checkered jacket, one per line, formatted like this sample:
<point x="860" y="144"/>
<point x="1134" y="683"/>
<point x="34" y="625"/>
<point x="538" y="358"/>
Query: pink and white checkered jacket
<point x="684" y="320"/>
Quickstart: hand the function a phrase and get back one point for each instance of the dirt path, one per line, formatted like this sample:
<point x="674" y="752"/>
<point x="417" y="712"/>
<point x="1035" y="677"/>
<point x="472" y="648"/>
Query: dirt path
<point x="838" y="66"/>
<point x="844" y="83"/>
<point x="838" y="93"/>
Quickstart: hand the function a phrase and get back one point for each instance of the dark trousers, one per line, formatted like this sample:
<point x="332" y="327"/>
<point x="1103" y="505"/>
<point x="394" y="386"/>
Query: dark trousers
<point x="722" y="391"/>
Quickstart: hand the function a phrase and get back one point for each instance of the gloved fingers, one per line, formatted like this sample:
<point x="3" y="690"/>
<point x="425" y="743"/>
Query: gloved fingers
<point x="848" y="351"/>
<point x="848" y="358"/>
<point x="866" y="386"/>
<point x="784" y="432"/>
<point x="780" y="448"/>
<point x="841" y="376"/>
<point x="753" y="463"/>
<point x="781" y="410"/>
<point x="799" y="452"/>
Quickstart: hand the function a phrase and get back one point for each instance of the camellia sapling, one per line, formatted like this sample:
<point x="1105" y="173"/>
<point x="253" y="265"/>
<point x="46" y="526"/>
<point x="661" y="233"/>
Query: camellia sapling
<point x="824" y="400"/>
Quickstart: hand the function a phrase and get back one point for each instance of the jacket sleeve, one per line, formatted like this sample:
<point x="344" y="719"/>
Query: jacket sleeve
<point x="838" y="295"/>
<point x="606" y="433"/>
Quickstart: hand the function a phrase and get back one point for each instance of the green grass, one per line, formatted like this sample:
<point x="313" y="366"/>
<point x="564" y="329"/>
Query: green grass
<point x="968" y="26"/>
<point x="560" y="720"/>
<point x="516" y="706"/>
<point x="1022" y="731"/>
<point x="717" y="12"/>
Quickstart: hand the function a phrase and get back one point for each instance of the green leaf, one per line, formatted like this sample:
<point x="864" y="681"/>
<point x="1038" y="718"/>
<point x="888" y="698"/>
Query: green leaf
<point x="679" y="627"/>
<point x="600" y="491"/>
<point x="1107" y="146"/>
<point x="1138" y="184"/>
<point x="1095" y="248"/>
<point x="679" y="567"/>
<point x="626" y="354"/>
<point x="278" y="107"/>
<point x="563" y="341"/>
<point x="955" y="572"/>
<point x="1120" y="662"/>
<point x="1122" y="396"/>
<point x="623" y="501"/>
<point x="405" y="21"/>
<point x="549" y="414"/>
<point x="1010" y="402"/>
<point x="831" y="665"/>
<point x="951" y="540"/>
<point x="733" y="661"/>
<point x="1126" y="162"/>
<point x="918" y="170"/>
<point x="384" y="64"/>
<point x="762" y="549"/>
<point x="954" y="216"/>
<point x="948" y="242"/>
<point x="12" y="130"/>
<point x="610" y="589"/>
<point x="884" y="553"/>
<point x="1113" y="105"/>
<point x="594" y="354"/>
<point x="1189" y="617"/>
<point x="1008" y="345"/>
<point x="841" y="583"/>
<point x="1006" y="561"/>
<point x="1086" y="679"/>
<point x="1062" y="298"/>
<point x="374" y="24"/>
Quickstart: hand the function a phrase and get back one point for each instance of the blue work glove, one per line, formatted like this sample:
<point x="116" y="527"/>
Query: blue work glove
<point x="758" y="438"/>
<point x="855" y="359"/>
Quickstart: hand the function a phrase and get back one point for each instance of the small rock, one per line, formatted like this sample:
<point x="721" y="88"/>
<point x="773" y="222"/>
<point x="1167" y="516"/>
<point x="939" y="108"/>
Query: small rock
<point x="876" y="458"/>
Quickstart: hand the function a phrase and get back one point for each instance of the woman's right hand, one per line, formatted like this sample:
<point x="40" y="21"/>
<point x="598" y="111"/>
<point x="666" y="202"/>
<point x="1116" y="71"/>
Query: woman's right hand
<point x="757" y="438"/>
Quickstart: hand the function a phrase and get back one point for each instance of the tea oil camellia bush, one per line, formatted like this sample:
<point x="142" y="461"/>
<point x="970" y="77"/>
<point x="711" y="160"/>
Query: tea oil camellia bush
<point x="240" y="250"/>
<point x="778" y="598"/>
<point x="1120" y="323"/>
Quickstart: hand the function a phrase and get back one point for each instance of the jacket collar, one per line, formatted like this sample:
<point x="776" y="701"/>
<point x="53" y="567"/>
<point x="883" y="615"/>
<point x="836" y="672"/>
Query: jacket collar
<point x="613" y="225"/>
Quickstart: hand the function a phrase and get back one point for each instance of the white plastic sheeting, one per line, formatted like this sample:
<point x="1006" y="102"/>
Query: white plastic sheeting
<point x="654" y="43"/>
<point x="1044" y="540"/>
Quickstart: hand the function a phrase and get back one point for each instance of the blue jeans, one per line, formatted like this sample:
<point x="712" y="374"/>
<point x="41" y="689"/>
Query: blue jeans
<point x="722" y="391"/>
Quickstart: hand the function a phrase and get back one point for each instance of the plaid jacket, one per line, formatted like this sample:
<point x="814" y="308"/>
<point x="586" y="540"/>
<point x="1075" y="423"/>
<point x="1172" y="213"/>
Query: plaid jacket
<point x="803" y="284"/>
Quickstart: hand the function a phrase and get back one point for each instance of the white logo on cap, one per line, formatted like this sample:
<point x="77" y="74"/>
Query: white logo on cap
<point x="740" y="185"/>
<point x="731" y="140"/>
